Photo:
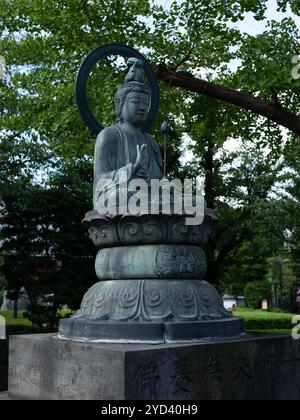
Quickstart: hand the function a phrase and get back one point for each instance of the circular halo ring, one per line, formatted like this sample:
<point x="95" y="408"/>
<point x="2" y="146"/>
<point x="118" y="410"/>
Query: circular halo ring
<point x="85" y="71"/>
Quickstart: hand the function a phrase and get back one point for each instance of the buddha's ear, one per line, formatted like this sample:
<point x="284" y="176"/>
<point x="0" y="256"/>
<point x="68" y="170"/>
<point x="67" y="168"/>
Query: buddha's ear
<point x="118" y="101"/>
<point x="119" y="105"/>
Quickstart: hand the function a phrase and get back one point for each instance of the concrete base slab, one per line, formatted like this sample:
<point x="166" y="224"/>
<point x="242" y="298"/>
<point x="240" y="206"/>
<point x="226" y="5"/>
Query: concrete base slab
<point x="258" y="367"/>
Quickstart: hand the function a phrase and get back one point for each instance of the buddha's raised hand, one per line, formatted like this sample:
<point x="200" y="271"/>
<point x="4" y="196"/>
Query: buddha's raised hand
<point x="141" y="158"/>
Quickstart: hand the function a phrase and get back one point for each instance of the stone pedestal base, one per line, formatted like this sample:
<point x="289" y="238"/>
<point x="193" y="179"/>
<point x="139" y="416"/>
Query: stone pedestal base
<point x="249" y="368"/>
<point x="151" y="312"/>
<point x="95" y="331"/>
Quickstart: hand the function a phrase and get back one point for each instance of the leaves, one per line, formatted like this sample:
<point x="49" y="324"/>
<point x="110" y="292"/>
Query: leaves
<point x="46" y="151"/>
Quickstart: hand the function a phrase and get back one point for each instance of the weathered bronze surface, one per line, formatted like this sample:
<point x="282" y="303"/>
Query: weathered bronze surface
<point x="150" y="266"/>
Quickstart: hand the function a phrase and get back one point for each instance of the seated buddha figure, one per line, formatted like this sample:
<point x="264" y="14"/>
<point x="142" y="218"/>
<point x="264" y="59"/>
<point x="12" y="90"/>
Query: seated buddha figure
<point x="125" y="152"/>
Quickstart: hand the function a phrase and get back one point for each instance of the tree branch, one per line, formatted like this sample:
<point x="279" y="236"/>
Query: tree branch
<point x="241" y="99"/>
<point x="229" y="247"/>
<point x="276" y="100"/>
<point x="185" y="58"/>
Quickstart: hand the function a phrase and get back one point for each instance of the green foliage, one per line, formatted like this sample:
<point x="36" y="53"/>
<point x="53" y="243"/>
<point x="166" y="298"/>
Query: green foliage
<point x="2" y="284"/>
<point x="46" y="151"/>
<point x="46" y="251"/>
<point x="259" y="314"/>
<point x="263" y="321"/>
<point x="256" y="292"/>
<point x="51" y="39"/>
<point x="269" y="324"/>
<point x="18" y="322"/>
<point x="292" y="155"/>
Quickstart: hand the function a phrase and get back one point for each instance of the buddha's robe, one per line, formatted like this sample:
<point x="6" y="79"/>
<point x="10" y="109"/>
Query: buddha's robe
<point x="115" y="155"/>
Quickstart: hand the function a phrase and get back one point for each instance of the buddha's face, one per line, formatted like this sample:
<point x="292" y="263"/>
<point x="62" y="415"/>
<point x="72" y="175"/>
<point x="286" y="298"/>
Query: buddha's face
<point x="135" y="108"/>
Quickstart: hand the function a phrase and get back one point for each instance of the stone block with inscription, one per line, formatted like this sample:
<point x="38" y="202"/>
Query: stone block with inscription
<point x="257" y="367"/>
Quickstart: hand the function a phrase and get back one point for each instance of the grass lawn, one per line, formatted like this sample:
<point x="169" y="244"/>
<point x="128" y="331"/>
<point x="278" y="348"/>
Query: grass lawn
<point x="271" y="331"/>
<point x="258" y="314"/>
<point x="20" y="321"/>
<point x="261" y="316"/>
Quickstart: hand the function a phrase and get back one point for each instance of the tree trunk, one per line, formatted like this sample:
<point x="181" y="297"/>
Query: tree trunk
<point x="16" y="307"/>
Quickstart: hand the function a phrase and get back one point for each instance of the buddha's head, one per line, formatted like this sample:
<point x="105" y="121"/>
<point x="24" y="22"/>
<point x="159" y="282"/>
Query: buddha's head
<point x="132" y="100"/>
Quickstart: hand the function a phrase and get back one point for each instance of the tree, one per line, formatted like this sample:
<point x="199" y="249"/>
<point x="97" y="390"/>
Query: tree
<point x="2" y="287"/>
<point x="55" y="37"/>
<point x="192" y="47"/>
<point x="240" y="186"/>
<point x="263" y="82"/>
<point x="282" y="278"/>
<point x="256" y="292"/>
<point x="46" y="250"/>
<point x="293" y="215"/>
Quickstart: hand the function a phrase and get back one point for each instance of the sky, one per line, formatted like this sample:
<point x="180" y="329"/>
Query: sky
<point x="249" y="25"/>
<point x="253" y="27"/>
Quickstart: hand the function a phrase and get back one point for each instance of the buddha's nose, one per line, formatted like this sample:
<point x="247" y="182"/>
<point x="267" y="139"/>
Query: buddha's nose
<point x="142" y="106"/>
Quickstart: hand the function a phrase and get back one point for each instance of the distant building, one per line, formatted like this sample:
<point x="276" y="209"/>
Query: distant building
<point x="230" y="300"/>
